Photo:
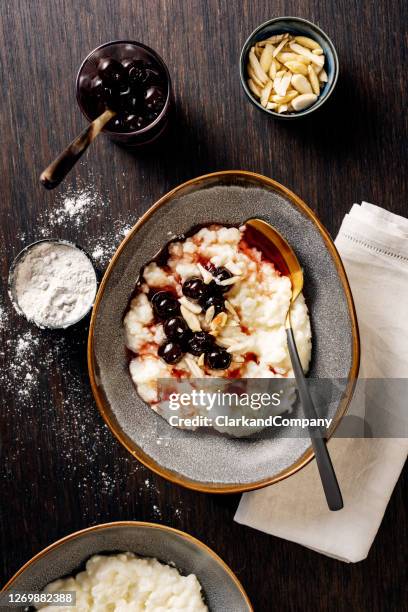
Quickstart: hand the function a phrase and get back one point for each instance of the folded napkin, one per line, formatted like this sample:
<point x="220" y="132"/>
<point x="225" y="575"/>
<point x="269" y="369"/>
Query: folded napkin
<point x="373" y="244"/>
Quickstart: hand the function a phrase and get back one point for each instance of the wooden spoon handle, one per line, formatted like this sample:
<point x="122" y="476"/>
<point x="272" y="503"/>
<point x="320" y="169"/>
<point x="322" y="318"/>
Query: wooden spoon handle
<point x="59" y="168"/>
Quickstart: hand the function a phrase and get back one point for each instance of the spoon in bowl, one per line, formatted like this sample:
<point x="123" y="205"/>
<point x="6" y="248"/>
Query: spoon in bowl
<point x="270" y="241"/>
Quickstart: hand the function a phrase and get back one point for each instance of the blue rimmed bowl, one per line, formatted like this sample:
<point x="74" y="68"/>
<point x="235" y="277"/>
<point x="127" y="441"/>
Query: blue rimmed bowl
<point x="299" y="27"/>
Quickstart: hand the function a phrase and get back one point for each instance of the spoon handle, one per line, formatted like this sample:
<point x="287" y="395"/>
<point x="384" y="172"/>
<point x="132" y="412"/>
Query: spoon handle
<point x="59" y="168"/>
<point x="324" y="464"/>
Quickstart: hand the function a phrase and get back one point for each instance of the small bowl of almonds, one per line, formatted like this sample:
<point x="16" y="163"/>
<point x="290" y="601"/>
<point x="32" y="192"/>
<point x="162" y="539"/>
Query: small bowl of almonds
<point x="288" y="67"/>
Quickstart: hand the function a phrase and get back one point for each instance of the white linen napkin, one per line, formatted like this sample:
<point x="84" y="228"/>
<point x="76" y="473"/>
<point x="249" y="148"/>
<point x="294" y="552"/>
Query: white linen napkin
<point x="373" y="244"/>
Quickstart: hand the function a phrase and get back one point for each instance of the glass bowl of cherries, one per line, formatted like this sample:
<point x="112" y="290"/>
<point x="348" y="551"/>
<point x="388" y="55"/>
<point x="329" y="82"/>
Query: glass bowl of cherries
<point x="131" y="79"/>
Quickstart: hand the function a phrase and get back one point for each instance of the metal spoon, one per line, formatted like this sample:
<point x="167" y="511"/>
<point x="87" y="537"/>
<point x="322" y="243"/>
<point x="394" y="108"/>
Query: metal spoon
<point x="279" y="250"/>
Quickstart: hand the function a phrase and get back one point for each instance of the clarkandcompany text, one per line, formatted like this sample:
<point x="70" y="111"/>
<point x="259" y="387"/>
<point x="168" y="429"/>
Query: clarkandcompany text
<point x="244" y="421"/>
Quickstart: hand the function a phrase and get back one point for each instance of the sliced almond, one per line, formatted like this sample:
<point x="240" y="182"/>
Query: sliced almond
<point x="318" y="51"/>
<point x="209" y="314"/>
<point x="226" y="342"/>
<point x="266" y="57"/>
<point x="231" y="309"/>
<point x="207" y="276"/>
<point x="216" y="328"/>
<point x="255" y="90"/>
<point x="314" y="80"/>
<point x="220" y="320"/>
<point x="258" y="51"/>
<point x="307" y="42"/>
<point x="273" y="70"/>
<point x="284" y="84"/>
<point x="279" y="47"/>
<point x="323" y="76"/>
<point x="191" y="306"/>
<point x="262" y="43"/>
<point x="276" y="83"/>
<point x="260" y="74"/>
<point x="200" y="361"/>
<point x="303" y="101"/>
<point x="239" y="347"/>
<point x="271" y="106"/>
<point x="301" y="84"/>
<point x="193" y="367"/>
<point x="282" y="108"/>
<point x="252" y="75"/>
<point x="279" y="76"/>
<point x="284" y="99"/>
<point x="232" y="323"/>
<point x="287" y="56"/>
<point x="297" y="67"/>
<point x="265" y="93"/>
<point x="191" y="319"/>
<point x="316" y="59"/>
<point x="272" y="40"/>
<point x="229" y="281"/>
<point x="276" y="38"/>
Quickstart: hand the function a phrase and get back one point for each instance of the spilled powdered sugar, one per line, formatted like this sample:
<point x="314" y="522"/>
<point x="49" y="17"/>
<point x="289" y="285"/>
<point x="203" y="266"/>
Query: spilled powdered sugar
<point x="34" y="360"/>
<point x="102" y="249"/>
<point x="76" y="208"/>
<point x="3" y="318"/>
<point x="44" y="381"/>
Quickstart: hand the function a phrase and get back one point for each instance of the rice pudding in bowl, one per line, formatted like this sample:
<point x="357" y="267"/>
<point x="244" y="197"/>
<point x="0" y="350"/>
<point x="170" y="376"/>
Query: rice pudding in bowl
<point x="212" y="305"/>
<point x="130" y="565"/>
<point x="126" y="581"/>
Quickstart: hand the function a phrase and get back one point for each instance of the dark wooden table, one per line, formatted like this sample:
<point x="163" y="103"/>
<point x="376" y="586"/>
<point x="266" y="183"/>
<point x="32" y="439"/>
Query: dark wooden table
<point x="61" y="469"/>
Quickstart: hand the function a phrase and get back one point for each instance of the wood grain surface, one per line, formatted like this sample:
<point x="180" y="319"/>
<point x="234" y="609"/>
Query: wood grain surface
<point x="60" y="468"/>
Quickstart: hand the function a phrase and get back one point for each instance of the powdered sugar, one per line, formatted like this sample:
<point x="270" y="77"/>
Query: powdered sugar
<point x="3" y="318"/>
<point x="33" y="360"/>
<point x="75" y="206"/>
<point x="102" y="248"/>
<point x="45" y="389"/>
<point x="54" y="284"/>
<point x="23" y="370"/>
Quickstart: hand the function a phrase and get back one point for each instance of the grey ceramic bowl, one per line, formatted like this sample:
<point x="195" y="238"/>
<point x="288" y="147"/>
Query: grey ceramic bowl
<point x="208" y="461"/>
<point x="302" y="27"/>
<point x="221" y="588"/>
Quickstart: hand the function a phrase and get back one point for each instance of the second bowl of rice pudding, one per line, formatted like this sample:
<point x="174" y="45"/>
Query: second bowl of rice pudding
<point x="212" y="305"/>
<point x="129" y="566"/>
